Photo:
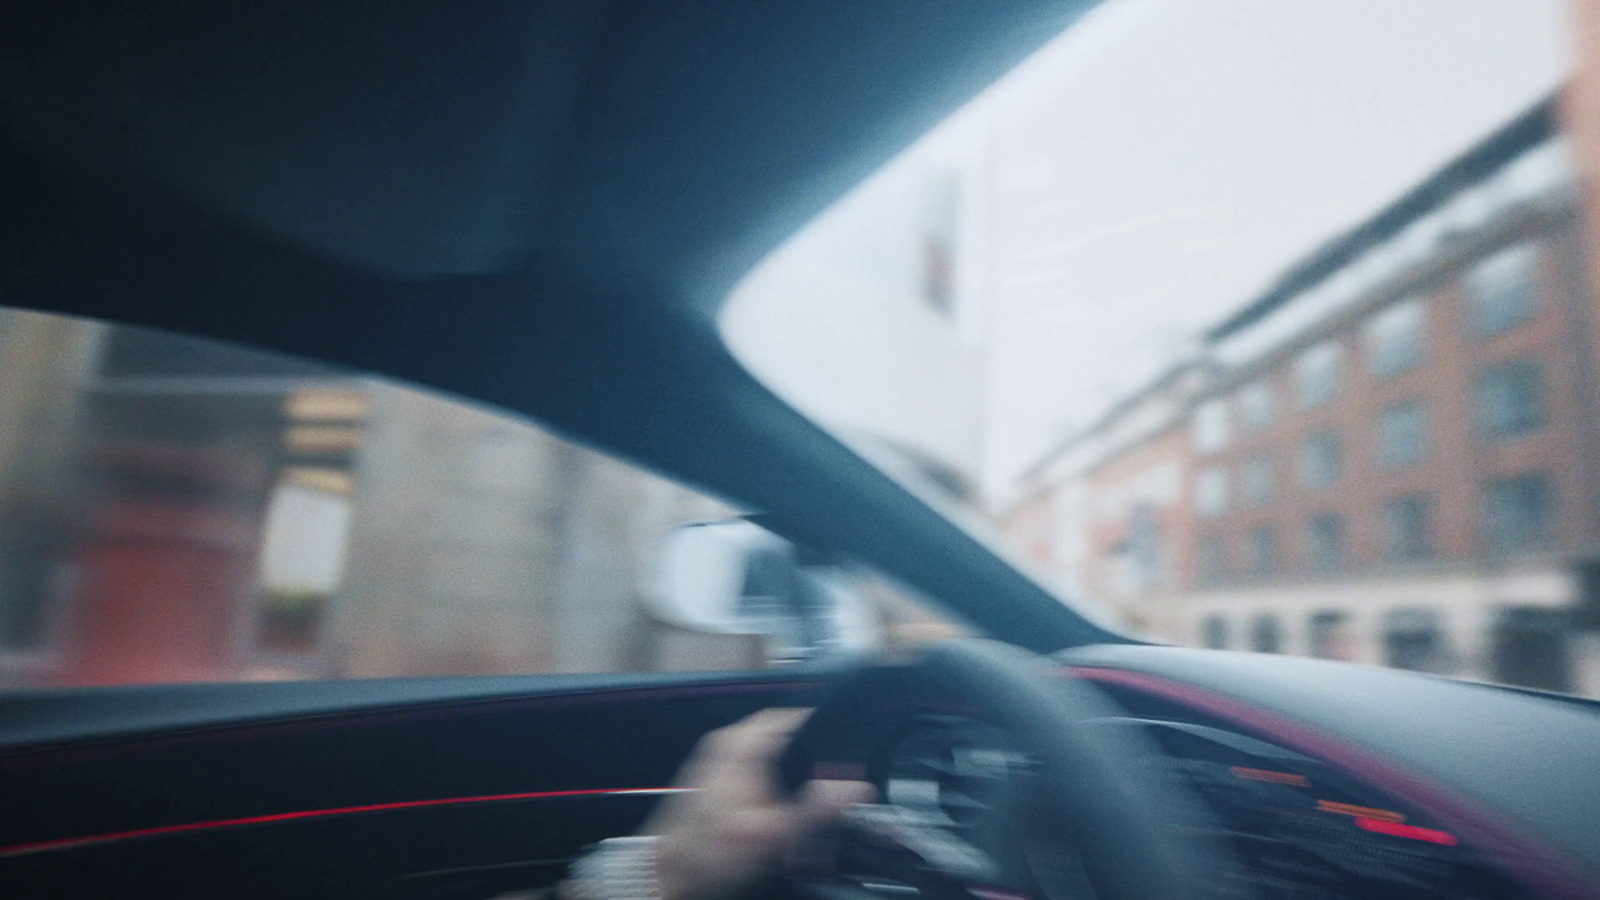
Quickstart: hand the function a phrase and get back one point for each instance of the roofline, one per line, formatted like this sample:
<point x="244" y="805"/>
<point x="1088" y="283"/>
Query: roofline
<point x="1529" y="129"/>
<point x="1116" y="411"/>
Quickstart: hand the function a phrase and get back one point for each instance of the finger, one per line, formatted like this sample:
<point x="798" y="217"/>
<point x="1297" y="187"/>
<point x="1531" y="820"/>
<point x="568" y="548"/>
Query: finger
<point x="779" y="720"/>
<point x="760" y="736"/>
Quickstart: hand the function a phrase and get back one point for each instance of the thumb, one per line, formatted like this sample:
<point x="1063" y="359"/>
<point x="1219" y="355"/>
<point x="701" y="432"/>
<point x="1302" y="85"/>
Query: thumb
<point x="823" y="801"/>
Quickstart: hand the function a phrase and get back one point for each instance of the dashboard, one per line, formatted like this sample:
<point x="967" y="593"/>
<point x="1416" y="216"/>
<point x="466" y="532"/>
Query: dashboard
<point x="1290" y="816"/>
<point x="1294" y="826"/>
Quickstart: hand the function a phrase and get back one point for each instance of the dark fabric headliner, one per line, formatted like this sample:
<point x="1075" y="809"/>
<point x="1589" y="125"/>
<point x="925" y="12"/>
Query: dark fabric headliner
<point x="643" y="144"/>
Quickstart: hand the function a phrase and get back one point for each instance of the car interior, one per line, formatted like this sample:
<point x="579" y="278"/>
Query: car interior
<point x="539" y="207"/>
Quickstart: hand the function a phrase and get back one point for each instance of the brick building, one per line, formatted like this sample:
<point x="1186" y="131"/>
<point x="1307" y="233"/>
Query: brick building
<point x="1107" y="509"/>
<point x="1390" y="454"/>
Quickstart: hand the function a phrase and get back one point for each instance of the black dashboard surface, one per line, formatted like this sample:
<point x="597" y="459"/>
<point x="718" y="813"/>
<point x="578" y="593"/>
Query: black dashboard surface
<point x="1493" y="777"/>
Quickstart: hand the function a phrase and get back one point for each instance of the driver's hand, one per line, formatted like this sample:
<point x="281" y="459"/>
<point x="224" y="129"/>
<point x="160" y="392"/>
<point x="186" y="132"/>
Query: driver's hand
<point x="738" y="824"/>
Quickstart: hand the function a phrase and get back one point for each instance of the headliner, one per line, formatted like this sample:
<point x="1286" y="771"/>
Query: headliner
<point x="538" y="206"/>
<point x="639" y="144"/>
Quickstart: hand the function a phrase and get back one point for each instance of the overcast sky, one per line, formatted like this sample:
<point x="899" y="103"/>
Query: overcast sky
<point x="1163" y="160"/>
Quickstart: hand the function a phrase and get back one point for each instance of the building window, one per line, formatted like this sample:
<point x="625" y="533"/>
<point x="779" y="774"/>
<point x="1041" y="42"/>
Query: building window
<point x="1518" y="513"/>
<point x="1413" y="639"/>
<point x="1321" y="459"/>
<point x="1407" y="528"/>
<point x="1317" y="373"/>
<point x="1403" y="435"/>
<point x="1529" y="646"/>
<point x="1258" y="405"/>
<point x="1266" y="634"/>
<point x="1325" y="542"/>
<point x="1258" y="479"/>
<point x="1501" y="291"/>
<point x="1211" y="492"/>
<point x="1212" y="560"/>
<point x="1510" y="399"/>
<point x="1263" y="546"/>
<point x="1394" y="338"/>
<point x="1214" y="632"/>
<point x="1211" y="429"/>
<point x="1330" y="635"/>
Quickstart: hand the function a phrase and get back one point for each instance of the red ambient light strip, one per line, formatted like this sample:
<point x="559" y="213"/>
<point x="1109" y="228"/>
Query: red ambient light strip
<point x="161" y="830"/>
<point x="1413" y="832"/>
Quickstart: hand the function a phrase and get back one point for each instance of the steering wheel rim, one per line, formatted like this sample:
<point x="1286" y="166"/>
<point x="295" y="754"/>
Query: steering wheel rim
<point x="1116" y="813"/>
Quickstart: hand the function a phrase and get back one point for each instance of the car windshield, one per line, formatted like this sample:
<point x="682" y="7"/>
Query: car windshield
<point x="1253" y="326"/>
<point x="1262" y="326"/>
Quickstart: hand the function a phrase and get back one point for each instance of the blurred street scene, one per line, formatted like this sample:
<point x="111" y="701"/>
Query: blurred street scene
<point x="180" y="511"/>
<point x="1389" y="456"/>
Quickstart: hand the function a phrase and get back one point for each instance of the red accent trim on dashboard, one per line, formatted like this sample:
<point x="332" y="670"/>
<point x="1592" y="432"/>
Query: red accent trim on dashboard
<point x="1383" y="826"/>
<point x="74" y="843"/>
<point x="1548" y="872"/>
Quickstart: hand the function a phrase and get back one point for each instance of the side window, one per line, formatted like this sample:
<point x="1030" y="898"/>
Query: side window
<point x="1214" y="632"/>
<point x="306" y="522"/>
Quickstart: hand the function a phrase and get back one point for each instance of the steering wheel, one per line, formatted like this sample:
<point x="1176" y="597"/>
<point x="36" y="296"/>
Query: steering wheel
<point x="1082" y="784"/>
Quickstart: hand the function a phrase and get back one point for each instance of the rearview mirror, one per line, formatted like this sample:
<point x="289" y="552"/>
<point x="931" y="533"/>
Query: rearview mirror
<point x="735" y="577"/>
